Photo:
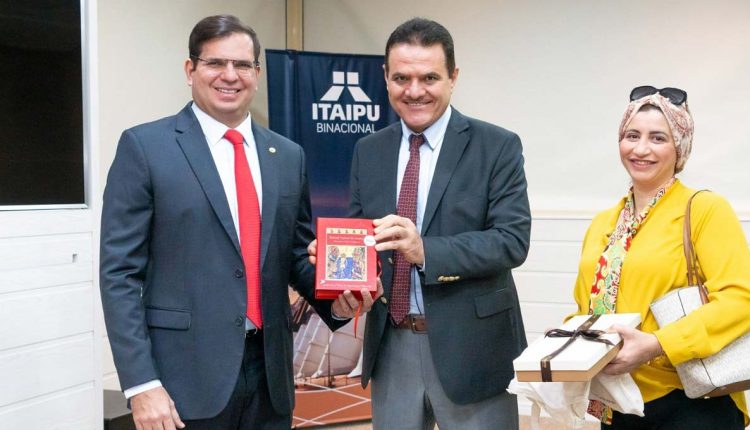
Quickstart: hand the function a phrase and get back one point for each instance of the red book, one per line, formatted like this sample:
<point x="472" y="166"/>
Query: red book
<point x="346" y="257"/>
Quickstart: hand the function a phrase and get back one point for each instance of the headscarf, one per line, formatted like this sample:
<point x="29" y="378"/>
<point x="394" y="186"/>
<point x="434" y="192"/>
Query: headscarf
<point x="678" y="117"/>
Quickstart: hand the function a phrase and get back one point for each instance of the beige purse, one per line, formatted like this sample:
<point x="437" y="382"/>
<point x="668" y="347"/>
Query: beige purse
<point x="728" y="370"/>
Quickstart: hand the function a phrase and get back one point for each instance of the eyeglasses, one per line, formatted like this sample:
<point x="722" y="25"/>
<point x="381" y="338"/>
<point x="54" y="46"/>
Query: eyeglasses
<point x="675" y="95"/>
<point x="242" y="67"/>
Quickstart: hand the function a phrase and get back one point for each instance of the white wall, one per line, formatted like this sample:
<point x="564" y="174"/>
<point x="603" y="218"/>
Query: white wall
<point x="559" y="74"/>
<point x="143" y="45"/>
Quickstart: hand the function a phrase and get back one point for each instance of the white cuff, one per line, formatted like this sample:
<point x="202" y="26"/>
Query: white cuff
<point x="336" y="317"/>
<point x="138" y="389"/>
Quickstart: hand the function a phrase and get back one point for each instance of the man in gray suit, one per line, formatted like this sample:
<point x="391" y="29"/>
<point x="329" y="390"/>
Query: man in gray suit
<point x="448" y="195"/>
<point x="205" y="222"/>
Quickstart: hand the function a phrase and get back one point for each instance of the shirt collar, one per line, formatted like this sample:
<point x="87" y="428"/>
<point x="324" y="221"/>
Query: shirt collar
<point x="214" y="130"/>
<point x="433" y="133"/>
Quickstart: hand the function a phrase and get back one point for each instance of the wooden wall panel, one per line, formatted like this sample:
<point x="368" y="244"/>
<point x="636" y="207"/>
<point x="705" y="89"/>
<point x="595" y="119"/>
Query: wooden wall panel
<point x="41" y="251"/>
<point x="49" y="361"/>
<point x="109" y="373"/>
<point x="544" y="287"/>
<point x="44" y="222"/>
<point x="32" y="277"/>
<point x="538" y="317"/>
<point x="552" y="257"/>
<point x="559" y="228"/>
<point x="45" y="314"/>
<point x="46" y="367"/>
<point x="63" y="410"/>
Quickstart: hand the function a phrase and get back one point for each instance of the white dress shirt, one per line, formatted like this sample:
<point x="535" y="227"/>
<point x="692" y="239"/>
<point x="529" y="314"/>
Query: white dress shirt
<point x="428" y="158"/>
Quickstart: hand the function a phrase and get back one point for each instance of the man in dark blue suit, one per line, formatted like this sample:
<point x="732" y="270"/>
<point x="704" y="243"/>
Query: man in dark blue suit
<point x="448" y="195"/>
<point x="203" y="230"/>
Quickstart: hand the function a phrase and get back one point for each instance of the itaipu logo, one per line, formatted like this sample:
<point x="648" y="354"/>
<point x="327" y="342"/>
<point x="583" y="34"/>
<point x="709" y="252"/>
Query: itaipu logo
<point x="331" y="116"/>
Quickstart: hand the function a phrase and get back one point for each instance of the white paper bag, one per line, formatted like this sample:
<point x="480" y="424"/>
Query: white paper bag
<point x="566" y="402"/>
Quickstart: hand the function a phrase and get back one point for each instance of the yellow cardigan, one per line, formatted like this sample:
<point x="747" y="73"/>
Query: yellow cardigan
<point x="655" y="264"/>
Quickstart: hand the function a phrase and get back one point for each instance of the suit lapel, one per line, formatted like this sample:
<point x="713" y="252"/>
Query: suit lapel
<point x="269" y="169"/>
<point x="191" y="139"/>
<point x="454" y="142"/>
<point x="387" y="181"/>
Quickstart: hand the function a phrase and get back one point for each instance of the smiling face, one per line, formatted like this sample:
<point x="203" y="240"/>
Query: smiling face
<point x="419" y="85"/>
<point x="224" y="94"/>
<point x="647" y="150"/>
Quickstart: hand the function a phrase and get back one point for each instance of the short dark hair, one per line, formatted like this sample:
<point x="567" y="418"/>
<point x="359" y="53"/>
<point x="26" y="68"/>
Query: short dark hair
<point x="423" y="32"/>
<point x="217" y="27"/>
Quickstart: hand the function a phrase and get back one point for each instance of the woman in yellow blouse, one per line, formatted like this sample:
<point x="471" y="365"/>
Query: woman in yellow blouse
<point x="632" y="255"/>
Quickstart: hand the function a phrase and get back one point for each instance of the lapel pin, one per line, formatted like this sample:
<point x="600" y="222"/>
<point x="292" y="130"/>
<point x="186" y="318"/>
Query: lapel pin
<point x="272" y="150"/>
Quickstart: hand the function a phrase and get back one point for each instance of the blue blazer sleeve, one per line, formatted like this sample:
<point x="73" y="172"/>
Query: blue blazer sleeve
<point x="126" y="218"/>
<point x="502" y="242"/>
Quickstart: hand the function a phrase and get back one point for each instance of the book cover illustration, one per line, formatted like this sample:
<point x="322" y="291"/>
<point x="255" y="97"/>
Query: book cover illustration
<point x="346" y="257"/>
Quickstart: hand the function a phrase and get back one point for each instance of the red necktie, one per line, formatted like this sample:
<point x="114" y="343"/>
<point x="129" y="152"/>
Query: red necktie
<point x="407" y="207"/>
<point x="248" y="212"/>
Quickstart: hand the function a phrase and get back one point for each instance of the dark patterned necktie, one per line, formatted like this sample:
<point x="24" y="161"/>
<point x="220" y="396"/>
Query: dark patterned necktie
<point x="248" y="212"/>
<point x="407" y="208"/>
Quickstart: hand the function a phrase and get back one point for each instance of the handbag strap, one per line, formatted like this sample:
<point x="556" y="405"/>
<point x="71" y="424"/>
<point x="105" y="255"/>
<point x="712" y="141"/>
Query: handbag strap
<point x="693" y="268"/>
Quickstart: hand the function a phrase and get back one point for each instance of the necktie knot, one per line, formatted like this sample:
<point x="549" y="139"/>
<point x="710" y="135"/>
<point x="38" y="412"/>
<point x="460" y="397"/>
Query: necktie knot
<point x="234" y="137"/>
<point x="415" y="141"/>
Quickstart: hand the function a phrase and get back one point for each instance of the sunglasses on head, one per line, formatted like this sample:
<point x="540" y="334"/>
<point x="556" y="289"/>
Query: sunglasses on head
<point x="675" y="95"/>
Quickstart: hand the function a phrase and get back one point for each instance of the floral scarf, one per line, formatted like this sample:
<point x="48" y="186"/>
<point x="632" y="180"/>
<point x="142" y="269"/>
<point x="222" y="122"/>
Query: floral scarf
<point x="603" y="299"/>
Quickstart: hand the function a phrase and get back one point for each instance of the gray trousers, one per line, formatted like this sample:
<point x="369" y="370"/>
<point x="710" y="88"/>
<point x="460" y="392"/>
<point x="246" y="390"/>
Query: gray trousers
<point x="407" y="395"/>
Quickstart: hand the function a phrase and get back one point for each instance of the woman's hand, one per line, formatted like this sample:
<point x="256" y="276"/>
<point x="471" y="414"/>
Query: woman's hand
<point x="638" y="348"/>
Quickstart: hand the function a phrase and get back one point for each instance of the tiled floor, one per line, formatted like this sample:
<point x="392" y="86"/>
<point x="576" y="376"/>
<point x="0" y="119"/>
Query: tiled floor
<point x="546" y="425"/>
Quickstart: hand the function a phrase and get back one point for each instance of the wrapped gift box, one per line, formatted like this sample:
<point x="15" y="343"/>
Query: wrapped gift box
<point x="582" y="358"/>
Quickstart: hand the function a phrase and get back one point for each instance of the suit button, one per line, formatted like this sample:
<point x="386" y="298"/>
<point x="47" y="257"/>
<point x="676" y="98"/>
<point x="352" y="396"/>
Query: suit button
<point x="239" y="321"/>
<point x="383" y="300"/>
<point x="390" y="260"/>
<point x="441" y="278"/>
<point x="239" y="273"/>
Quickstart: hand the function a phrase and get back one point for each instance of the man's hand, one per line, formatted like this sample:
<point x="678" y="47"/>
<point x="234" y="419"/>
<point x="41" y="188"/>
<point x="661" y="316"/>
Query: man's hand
<point x="637" y="348"/>
<point x="312" y="250"/>
<point x="346" y="305"/>
<point x="399" y="234"/>
<point x="154" y="410"/>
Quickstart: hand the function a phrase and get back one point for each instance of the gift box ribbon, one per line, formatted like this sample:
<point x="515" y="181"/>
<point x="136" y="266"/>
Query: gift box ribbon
<point x="582" y="331"/>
